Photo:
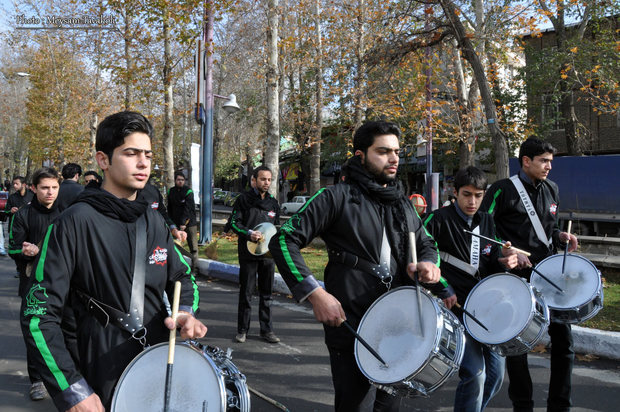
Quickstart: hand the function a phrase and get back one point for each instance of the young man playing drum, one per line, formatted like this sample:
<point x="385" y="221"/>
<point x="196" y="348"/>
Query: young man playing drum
<point x="251" y="208"/>
<point x="112" y="257"/>
<point x="525" y="210"/>
<point x="465" y="259"/>
<point x="365" y="223"/>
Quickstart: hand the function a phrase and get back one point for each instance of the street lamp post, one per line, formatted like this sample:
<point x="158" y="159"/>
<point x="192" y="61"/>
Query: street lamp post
<point x="206" y="158"/>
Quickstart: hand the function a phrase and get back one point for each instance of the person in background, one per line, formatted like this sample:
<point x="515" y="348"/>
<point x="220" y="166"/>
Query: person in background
<point x="69" y="188"/>
<point x="182" y="211"/>
<point x="91" y="176"/>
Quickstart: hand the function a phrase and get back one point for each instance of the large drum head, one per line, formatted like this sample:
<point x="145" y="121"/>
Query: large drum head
<point x="580" y="283"/>
<point x="196" y="382"/>
<point x="503" y="303"/>
<point x="392" y="328"/>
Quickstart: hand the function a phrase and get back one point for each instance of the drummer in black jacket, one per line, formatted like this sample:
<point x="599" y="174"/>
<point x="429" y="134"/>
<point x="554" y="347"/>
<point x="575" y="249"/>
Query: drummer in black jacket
<point x="531" y="223"/>
<point x="27" y="229"/>
<point x="465" y="259"/>
<point x="89" y="256"/>
<point x="251" y="208"/>
<point x="365" y="223"/>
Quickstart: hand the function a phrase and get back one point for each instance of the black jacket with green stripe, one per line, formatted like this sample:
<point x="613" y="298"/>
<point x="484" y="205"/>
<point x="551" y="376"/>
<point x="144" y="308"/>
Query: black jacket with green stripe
<point x="447" y="228"/>
<point x="502" y="201"/>
<point x="354" y="223"/>
<point x="91" y="248"/>
<point x="181" y="206"/>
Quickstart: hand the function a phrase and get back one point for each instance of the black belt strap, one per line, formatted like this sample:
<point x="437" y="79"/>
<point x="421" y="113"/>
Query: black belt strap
<point x="349" y="259"/>
<point x="131" y="322"/>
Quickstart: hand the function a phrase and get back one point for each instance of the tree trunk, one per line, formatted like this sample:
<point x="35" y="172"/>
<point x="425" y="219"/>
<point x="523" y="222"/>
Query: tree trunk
<point x="127" y="37"/>
<point x="359" y="88"/>
<point x="272" y="146"/>
<point x="315" y="159"/>
<point x="499" y="140"/>
<point x="168" y="105"/>
<point x="467" y="144"/>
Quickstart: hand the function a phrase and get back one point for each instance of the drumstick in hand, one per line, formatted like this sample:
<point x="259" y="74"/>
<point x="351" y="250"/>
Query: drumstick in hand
<point x="171" y="345"/>
<point x="414" y="260"/>
<point x="523" y="252"/>
<point x="570" y="222"/>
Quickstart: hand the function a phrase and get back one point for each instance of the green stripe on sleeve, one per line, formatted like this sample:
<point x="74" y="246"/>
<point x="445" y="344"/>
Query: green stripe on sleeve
<point x="39" y="340"/>
<point x="39" y="271"/>
<point x="194" y="286"/>
<point x="14" y="251"/>
<point x="428" y="219"/>
<point x="444" y="282"/>
<point x="492" y="207"/>
<point x="288" y="259"/>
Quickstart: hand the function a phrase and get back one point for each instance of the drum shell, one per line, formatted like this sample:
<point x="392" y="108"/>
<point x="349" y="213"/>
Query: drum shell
<point x="577" y="312"/>
<point x="444" y="360"/>
<point x="530" y="332"/>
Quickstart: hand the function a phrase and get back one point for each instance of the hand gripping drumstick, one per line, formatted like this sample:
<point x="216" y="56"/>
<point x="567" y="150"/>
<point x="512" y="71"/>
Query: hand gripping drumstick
<point x="414" y="260"/>
<point x="523" y="252"/>
<point x="570" y="222"/>
<point x="171" y="345"/>
<point x="363" y="342"/>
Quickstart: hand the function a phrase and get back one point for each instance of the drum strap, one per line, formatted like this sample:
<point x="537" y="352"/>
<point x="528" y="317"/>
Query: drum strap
<point x="349" y="259"/>
<point x="458" y="263"/>
<point x="531" y="212"/>
<point x="132" y="321"/>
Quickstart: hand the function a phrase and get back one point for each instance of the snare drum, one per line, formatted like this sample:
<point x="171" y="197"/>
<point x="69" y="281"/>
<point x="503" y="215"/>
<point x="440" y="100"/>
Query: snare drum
<point x="583" y="290"/>
<point x="514" y="312"/>
<point x="417" y="365"/>
<point x="203" y="379"/>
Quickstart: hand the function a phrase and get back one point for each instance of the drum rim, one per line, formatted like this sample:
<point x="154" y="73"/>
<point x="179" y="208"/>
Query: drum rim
<point x="597" y="292"/>
<point x="435" y="341"/>
<point x="532" y="308"/>
<point x="195" y="346"/>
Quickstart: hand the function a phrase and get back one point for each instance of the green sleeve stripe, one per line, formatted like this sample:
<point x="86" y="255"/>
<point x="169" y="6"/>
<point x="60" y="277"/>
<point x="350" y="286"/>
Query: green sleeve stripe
<point x="39" y="271"/>
<point x="288" y="259"/>
<point x="194" y="285"/>
<point x="310" y="200"/>
<point x="11" y="227"/>
<point x="39" y="340"/>
<point x="188" y="192"/>
<point x="14" y="251"/>
<point x="233" y="223"/>
<point x="492" y="207"/>
<point x="428" y="219"/>
<point x="444" y="282"/>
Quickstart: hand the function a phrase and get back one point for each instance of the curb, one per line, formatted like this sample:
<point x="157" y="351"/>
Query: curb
<point x="597" y="342"/>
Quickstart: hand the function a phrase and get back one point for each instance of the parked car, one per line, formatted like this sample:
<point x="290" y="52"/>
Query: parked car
<point x="4" y="196"/>
<point x="219" y="196"/>
<point x="294" y="205"/>
<point x="230" y="198"/>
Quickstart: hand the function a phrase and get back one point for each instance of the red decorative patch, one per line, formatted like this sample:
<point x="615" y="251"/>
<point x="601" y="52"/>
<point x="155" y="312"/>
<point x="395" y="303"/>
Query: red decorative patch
<point x="553" y="208"/>
<point x="271" y="214"/>
<point x="159" y="256"/>
<point x="487" y="250"/>
<point x="154" y="205"/>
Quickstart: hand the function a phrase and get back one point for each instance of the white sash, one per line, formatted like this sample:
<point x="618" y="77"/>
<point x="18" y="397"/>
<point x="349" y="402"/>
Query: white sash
<point x="474" y="252"/>
<point x="531" y="212"/>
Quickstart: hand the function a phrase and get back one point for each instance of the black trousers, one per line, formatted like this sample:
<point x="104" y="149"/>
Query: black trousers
<point x="248" y="271"/>
<point x="562" y="359"/>
<point x="354" y="393"/>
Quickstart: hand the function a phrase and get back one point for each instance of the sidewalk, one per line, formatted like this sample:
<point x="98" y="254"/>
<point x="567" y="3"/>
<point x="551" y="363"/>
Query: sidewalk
<point x="597" y="342"/>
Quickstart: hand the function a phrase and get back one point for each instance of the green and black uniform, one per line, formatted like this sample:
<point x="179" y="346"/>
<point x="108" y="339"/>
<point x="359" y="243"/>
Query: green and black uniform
<point x="90" y="251"/>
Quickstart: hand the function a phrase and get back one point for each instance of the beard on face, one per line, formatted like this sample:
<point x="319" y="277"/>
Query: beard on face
<point x="379" y="174"/>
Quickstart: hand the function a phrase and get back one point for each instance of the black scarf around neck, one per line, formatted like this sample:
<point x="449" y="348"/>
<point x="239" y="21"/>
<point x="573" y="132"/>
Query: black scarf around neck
<point x="109" y="205"/>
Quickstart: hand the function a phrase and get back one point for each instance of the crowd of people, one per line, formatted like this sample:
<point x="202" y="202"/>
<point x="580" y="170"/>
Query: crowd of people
<point x="96" y="261"/>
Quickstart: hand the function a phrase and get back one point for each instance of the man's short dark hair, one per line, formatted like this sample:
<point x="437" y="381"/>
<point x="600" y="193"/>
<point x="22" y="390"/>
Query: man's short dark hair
<point x="470" y="176"/>
<point x="260" y="168"/>
<point x="113" y="130"/>
<point x="364" y="137"/>
<point x="533" y="146"/>
<point x="44" y="173"/>
<point x="22" y="179"/>
<point x="179" y="173"/>
<point x="98" y="177"/>
<point x="71" y="169"/>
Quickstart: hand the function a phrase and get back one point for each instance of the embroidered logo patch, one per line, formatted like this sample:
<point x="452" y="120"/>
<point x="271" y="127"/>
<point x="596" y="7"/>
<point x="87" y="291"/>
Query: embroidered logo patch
<point x="154" y="205"/>
<point x="553" y="208"/>
<point x="271" y="214"/>
<point x="33" y="301"/>
<point x="487" y="250"/>
<point x="159" y="256"/>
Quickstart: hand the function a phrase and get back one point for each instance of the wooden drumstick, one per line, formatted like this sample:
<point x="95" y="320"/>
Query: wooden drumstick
<point x="570" y="222"/>
<point x="523" y="252"/>
<point x="171" y="345"/>
<point x="414" y="260"/>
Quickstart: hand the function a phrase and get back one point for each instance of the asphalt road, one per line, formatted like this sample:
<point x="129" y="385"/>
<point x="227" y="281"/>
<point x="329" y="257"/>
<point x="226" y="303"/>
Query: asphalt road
<point x="294" y="372"/>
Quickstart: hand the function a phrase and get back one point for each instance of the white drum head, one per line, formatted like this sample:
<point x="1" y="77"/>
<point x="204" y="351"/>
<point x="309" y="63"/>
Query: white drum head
<point x="503" y="303"/>
<point x="580" y="283"/>
<point x="195" y="380"/>
<point x="392" y="328"/>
